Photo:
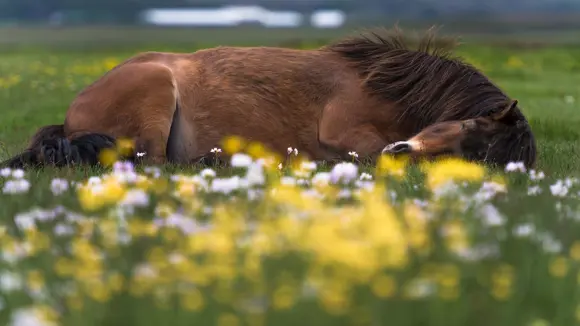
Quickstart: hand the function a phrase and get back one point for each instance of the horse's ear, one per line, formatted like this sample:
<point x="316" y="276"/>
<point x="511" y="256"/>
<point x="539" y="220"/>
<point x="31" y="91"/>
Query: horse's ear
<point x="505" y="112"/>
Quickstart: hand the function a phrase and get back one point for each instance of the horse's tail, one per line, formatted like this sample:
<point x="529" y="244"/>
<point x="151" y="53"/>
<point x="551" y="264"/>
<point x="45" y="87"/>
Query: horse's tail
<point x="49" y="146"/>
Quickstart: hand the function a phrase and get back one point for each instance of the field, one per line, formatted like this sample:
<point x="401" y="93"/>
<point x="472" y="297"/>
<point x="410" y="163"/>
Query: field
<point x="449" y="243"/>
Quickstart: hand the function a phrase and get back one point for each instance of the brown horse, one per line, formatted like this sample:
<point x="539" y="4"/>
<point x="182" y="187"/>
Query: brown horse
<point x="370" y="94"/>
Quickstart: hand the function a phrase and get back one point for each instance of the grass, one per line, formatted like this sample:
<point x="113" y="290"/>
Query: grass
<point x="144" y="247"/>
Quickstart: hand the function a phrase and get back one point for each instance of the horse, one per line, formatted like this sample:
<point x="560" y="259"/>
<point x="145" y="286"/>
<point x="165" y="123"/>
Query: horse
<point x="371" y="93"/>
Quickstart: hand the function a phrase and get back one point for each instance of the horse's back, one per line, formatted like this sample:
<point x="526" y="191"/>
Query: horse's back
<point x="273" y="95"/>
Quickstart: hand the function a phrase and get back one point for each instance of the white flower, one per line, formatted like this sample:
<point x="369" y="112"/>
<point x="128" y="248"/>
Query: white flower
<point x="535" y="175"/>
<point x="559" y="189"/>
<point x="135" y="197"/>
<point x="515" y="166"/>
<point x="18" y="173"/>
<point x="141" y="154"/>
<point x="153" y="170"/>
<point x="225" y="185"/>
<point x="343" y="172"/>
<point x="63" y="229"/>
<point x="10" y="281"/>
<point x="321" y="178"/>
<point x="308" y="166"/>
<point x="29" y="317"/>
<point x="94" y="180"/>
<point x="58" y="186"/>
<point x="5" y="172"/>
<point x="208" y="173"/>
<point x="344" y="193"/>
<point x="25" y="221"/>
<point x="241" y="160"/>
<point x="255" y="174"/>
<point x="534" y="190"/>
<point x="491" y="215"/>
<point x="145" y="270"/>
<point x="353" y="154"/>
<point x="365" y="176"/>
<point x="17" y="186"/>
<point x="287" y="181"/>
<point x="523" y="230"/>
<point x="216" y="150"/>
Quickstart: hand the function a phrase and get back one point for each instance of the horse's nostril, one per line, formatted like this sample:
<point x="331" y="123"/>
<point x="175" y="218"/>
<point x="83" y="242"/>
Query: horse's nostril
<point x="399" y="147"/>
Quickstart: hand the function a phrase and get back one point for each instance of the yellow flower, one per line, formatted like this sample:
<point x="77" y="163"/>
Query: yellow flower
<point x="75" y="300"/>
<point x="185" y="189"/>
<point x="47" y="314"/>
<point x="334" y="299"/>
<point x="93" y="197"/>
<point x="514" y="62"/>
<point x="228" y="319"/>
<point x="388" y="165"/>
<point x="452" y="169"/>
<point x="35" y="280"/>
<point x="64" y="267"/>
<point x="575" y="251"/>
<point x="110" y="63"/>
<point x="448" y="278"/>
<point x="456" y="238"/>
<point x="107" y="157"/>
<point x="115" y="282"/>
<point x="256" y="150"/>
<point x="192" y="300"/>
<point x="233" y="144"/>
<point x="539" y="322"/>
<point x="284" y="297"/>
<point x="98" y="291"/>
<point x="384" y="286"/>
<point x="559" y="267"/>
<point x="125" y="146"/>
<point x="502" y="281"/>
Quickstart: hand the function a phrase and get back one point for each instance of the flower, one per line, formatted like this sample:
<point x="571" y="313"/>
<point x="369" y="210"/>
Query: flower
<point x="58" y="186"/>
<point x="207" y="173"/>
<point x="5" y="172"/>
<point x="17" y="186"/>
<point x="241" y="160"/>
<point x="30" y="317"/>
<point x="388" y="165"/>
<point x="344" y="172"/>
<point x="452" y="169"/>
<point x="255" y="174"/>
<point x="18" y="173"/>
<point x="515" y="167"/>
<point x="232" y="144"/>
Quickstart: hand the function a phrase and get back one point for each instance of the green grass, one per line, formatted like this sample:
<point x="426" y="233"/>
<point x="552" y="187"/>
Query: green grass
<point x="518" y="265"/>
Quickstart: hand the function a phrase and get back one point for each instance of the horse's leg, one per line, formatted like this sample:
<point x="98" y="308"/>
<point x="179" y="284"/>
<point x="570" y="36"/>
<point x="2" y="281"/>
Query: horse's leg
<point x="139" y="104"/>
<point x="362" y="139"/>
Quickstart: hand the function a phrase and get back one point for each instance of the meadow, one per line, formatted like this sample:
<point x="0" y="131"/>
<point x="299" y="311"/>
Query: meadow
<point x="281" y="241"/>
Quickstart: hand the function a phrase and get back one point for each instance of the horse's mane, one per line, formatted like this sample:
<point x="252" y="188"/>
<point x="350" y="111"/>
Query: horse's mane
<point x="429" y="83"/>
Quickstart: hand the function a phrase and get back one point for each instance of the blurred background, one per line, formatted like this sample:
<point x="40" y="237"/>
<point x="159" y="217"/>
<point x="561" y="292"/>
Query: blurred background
<point x="212" y="22"/>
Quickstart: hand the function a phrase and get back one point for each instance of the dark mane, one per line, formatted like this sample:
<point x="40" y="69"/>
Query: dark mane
<point x="430" y="84"/>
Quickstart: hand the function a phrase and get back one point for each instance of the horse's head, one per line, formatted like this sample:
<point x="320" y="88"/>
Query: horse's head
<point x="493" y="139"/>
